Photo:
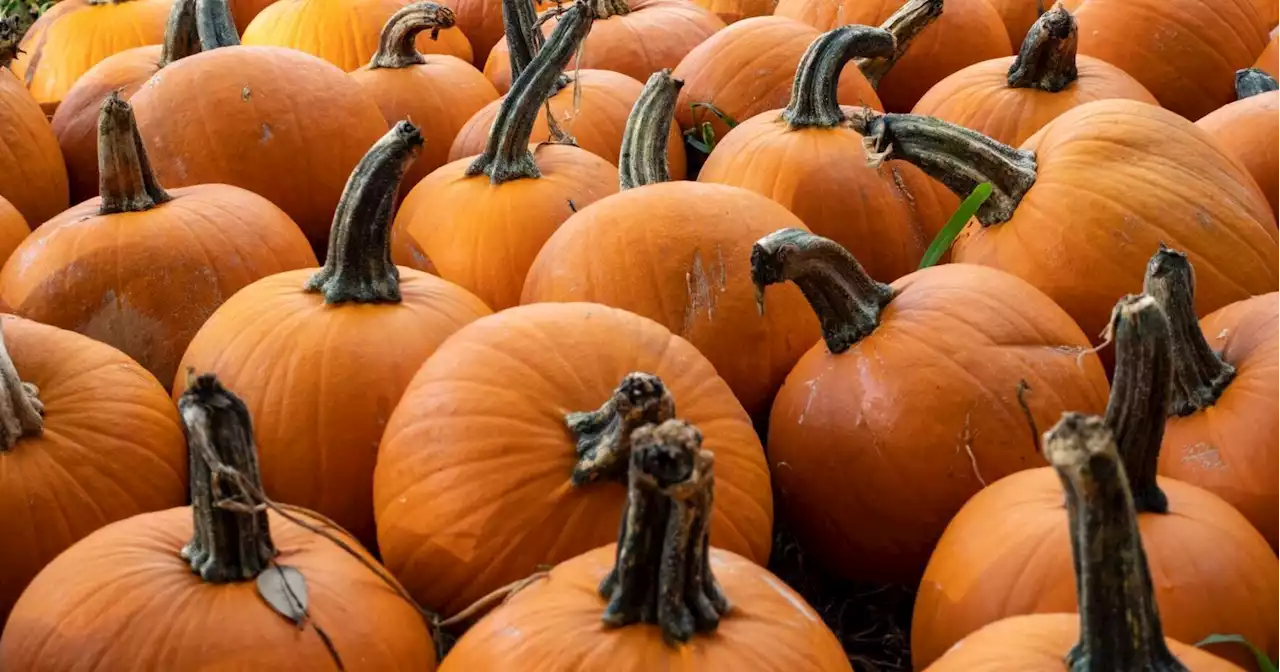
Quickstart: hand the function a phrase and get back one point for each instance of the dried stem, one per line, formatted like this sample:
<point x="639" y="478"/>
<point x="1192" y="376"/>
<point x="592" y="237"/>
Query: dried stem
<point x="905" y="24"/>
<point x="1047" y="60"/>
<point x="397" y="45"/>
<point x="603" y="436"/>
<point x="524" y="39"/>
<point x="125" y="180"/>
<point x="215" y="25"/>
<point x="21" y="411"/>
<point x="604" y="9"/>
<point x="644" y="140"/>
<point x="1252" y="82"/>
<point x="181" y="38"/>
<point x="813" y="92"/>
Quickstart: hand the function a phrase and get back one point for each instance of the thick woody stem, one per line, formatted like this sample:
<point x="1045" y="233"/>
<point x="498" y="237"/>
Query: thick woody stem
<point x="1119" y="622"/>
<point x="813" y="92"/>
<point x="358" y="266"/>
<point x="214" y="25"/>
<point x="181" y="37"/>
<point x="1047" y="60"/>
<point x="603" y="436"/>
<point x="21" y="411"/>
<point x="663" y="573"/>
<point x="125" y="180"/>
<point x="846" y="299"/>
<point x="1252" y="82"/>
<point x="905" y="24"/>
<point x="1199" y="374"/>
<point x="232" y="538"/>
<point x="644" y="139"/>
<point x="397" y="44"/>
<point x="524" y="40"/>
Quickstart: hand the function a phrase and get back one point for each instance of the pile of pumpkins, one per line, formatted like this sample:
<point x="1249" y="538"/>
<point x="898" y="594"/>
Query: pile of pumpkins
<point x="415" y="310"/>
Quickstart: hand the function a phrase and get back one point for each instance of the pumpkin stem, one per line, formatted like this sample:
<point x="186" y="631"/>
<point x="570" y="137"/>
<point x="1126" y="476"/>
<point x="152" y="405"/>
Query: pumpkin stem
<point x="604" y="9"/>
<point x="1199" y="374"/>
<point x="813" y="92"/>
<point x="232" y="538"/>
<point x="181" y="38"/>
<point x="1140" y="394"/>
<point x="10" y="37"/>
<point x="1047" y="60"/>
<point x="846" y="299"/>
<point x="21" y="411"/>
<point x="396" y="45"/>
<point x="957" y="157"/>
<point x="662" y="574"/>
<point x="905" y="24"/>
<point x="125" y="180"/>
<point x="1253" y="81"/>
<point x="358" y="265"/>
<point x="506" y="156"/>
<point x="644" y="139"/>
<point x="524" y="39"/>
<point x="603" y="436"/>
<point x="214" y="25"/>
<point x="1119" y="622"/>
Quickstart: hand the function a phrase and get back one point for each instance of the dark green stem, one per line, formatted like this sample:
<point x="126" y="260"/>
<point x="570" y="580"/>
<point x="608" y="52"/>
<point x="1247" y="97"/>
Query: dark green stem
<point x="813" y="92"/>
<point x="644" y="140"/>
<point x="905" y="24"/>
<point x="214" y="25"/>
<point x="524" y="40"/>
<point x="603" y="436"/>
<point x="1252" y="82"/>
<point x="21" y="411"/>
<point x="125" y="180"/>
<point x="397" y="45"/>
<point x="1047" y="60"/>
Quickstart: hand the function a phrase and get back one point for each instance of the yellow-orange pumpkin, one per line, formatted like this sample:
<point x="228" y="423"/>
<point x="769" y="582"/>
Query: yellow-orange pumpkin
<point x="1269" y="61"/>
<point x="13" y="229"/>
<point x="32" y="176"/>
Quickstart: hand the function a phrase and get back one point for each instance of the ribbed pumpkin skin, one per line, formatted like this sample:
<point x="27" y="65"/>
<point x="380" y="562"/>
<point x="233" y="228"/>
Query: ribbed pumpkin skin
<point x="596" y="121"/>
<point x="1115" y="179"/>
<point x="320" y="381"/>
<point x="1249" y="130"/>
<point x="1040" y="643"/>
<point x="32" y="175"/>
<point x="288" y="126"/>
<point x="1185" y="52"/>
<point x="968" y="32"/>
<point x="74" y="36"/>
<point x="112" y="448"/>
<point x="1268" y="61"/>
<point x="730" y="11"/>
<point x="979" y="97"/>
<point x="1231" y="447"/>
<point x="748" y="68"/>
<point x="481" y="22"/>
<point x="144" y="282"/>
<point x="1018" y="15"/>
<point x="13" y="229"/>
<point x="1007" y="553"/>
<point x="123" y="599"/>
<point x="554" y="624"/>
<point x="472" y="487"/>
<point x="343" y="32"/>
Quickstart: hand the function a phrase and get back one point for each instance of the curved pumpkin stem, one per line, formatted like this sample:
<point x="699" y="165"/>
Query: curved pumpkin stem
<point x="957" y="157"/>
<point x="21" y="411"/>
<point x="1119" y="622"/>
<point x="813" y="92"/>
<point x="1199" y="374"/>
<point x="846" y="299"/>
<point x="396" y="45"/>
<point x="181" y="37"/>
<point x="232" y="538"/>
<point x="644" y="139"/>
<point x="603" y="436"/>
<point x="358" y="265"/>
<point x="506" y="156"/>
<point x="663" y="573"/>
<point x="1253" y="81"/>
<point x="905" y="25"/>
<point x="214" y="25"/>
<point x="1047" y="60"/>
<point x="125" y="180"/>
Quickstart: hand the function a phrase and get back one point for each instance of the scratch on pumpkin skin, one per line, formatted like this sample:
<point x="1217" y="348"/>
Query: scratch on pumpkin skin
<point x="1203" y="455"/>
<point x="966" y="442"/>
<point x="813" y="392"/>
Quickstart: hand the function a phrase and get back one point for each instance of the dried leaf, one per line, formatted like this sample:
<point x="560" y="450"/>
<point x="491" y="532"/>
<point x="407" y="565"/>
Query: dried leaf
<point x="285" y="589"/>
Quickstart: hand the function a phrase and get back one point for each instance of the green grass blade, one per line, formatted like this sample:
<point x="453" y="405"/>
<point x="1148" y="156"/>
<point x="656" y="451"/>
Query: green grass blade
<point x="1264" y="663"/>
<point x="948" y="234"/>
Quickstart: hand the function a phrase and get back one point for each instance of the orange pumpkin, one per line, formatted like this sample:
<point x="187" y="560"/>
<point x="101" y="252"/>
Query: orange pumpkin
<point x="140" y="268"/>
<point x="1249" y="129"/>
<point x="118" y="597"/>
<point x="343" y="32"/>
<point x="1222" y="428"/>
<point x="1119" y="626"/>
<point x="481" y="22"/>
<point x="1018" y="15"/>
<point x="480" y="221"/>
<point x="13" y="229"/>
<point x="32" y="176"/>
<point x="968" y="32"/>
<point x="737" y="10"/>
<point x="1269" y="61"/>
<point x="1007" y="552"/>
<point x="87" y="437"/>
<point x="1011" y="98"/>
<point x="321" y="356"/>
<point x="716" y="611"/>
<point x="244" y="11"/>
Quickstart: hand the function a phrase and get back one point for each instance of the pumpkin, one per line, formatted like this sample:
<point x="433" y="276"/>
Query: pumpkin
<point x="927" y="382"/>
<point x="677" y="253"/>
<point x="119" y="596"/>
<point x="806" y="159"/>
<point x="1018" y="15"/>
<point x="321" y="356"/>
<point x="737" y="10"/>
<point x="87" y="437"/>
<point x="1268" y="61"/>
<point x="1268" y="12"/>
<point x="481" y="22"/>
<point x="13" y="229"/>
<point x="1119" y="625"/>
<point x="1009" y="99"/>
<point x="140" y="268"/>
<point x="343" y="32"/>
<point x="32" y="176"/>
<point x="968" y="32"/>
<point x="1183" y="51"/>
<point x="1006" y="553"/>
<point x="622" y="608"/>
<point x="1103" y="183"/>
<point x="244" y="11"/>
<point x="280" y="123"/>
<point x="1221" y="431"/>
<point x="1248" y="129"/>
<point x="74" y="35"/>
<point x="481" y="220"/>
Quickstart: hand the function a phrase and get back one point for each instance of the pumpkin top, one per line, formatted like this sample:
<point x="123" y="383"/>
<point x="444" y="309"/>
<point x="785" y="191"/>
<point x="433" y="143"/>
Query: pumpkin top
<point x="21" y="412"/>
<point x="10" y="37"/>
<point x="904" y="24"/>
<point x="181" y="37"/>
<point x="524" y="39"/>
<point x="125" y="180"/>
<point x="1047" y="59"/>
<point x="643" y="159"/>
<point x="358" y="264"/>
<point x="813" y="92"/>
<point x="396" y="48"/>
<point x="1253" y="81"/>
<point x="603" y="436"/>
<point x="604" y="9"/>
<point x="214" y="25"/>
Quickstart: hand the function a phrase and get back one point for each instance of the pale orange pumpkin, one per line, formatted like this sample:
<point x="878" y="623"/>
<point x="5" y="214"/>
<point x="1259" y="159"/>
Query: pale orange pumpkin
<point x="1269" y="61"/>
<point x="1249" y="130"/>
<point x="737" y="10"/>
<point x="32" y="176"/>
